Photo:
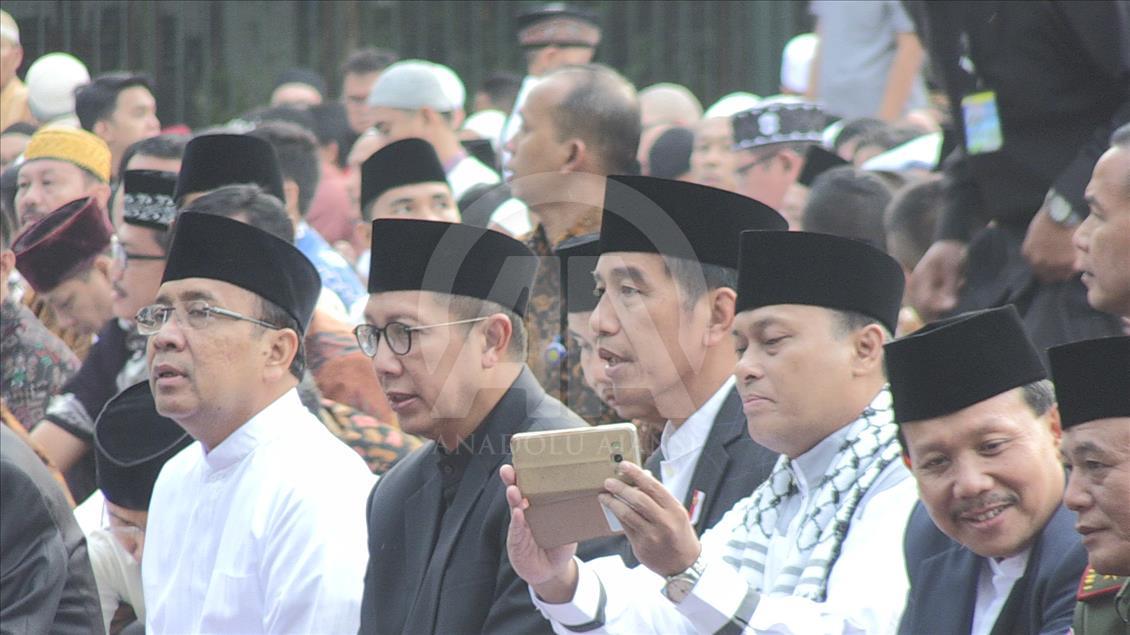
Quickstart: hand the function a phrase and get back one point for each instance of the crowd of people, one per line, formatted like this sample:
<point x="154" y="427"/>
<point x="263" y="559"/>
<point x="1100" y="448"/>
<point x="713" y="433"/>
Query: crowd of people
<point x="873" y="333"/>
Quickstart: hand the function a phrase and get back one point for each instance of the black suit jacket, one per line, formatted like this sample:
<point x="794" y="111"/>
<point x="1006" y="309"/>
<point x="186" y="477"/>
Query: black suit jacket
<point x="730" y="467"/>
<point x="46" y="583"/>
<point x="943" y="581"/>
<point x="453" y="576"/>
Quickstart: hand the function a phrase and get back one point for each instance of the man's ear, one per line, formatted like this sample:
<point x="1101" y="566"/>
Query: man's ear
<point x="102" y="264"/>
<point x="867" y="354"/>
<point x="102" y="129"/>
<point x="497" y="332"/>
<point x="723" y="301"/>
<point x="7" y="263"/>
<point x="1055" y="423"/>
<point x="282" y="346"/>
<point x="290" y="192"/>
<point x="577" y="156"/>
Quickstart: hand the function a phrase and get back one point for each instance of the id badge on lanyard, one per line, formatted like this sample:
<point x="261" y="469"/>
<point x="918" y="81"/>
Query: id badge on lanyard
<point x="979" y="111"/>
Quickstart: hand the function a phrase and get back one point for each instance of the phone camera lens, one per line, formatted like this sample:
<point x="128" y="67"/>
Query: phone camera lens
<point x="617" y="457"/>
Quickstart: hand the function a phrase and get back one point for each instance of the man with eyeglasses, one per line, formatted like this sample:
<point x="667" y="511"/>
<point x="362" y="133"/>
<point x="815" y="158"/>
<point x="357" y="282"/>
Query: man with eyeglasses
<point x="771" y="141"/>
<point x="117" y="359"/>
<point x="444" y="325"/>
<point x="273" y="503"/>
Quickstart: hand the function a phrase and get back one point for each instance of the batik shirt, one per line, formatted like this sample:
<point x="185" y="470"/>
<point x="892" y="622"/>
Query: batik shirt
<point x="35" y="365"/>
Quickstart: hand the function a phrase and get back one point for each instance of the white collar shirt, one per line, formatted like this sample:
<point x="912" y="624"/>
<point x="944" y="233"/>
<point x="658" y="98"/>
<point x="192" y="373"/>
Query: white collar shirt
<point x="682" y="446"/>
<point x="994" y="585"/>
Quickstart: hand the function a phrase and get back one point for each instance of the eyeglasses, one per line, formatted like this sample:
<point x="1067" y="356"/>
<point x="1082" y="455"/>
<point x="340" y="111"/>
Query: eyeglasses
<point x="122" y="257"/>
<point x="197" y="314"/>
<point x="749" y="166"/>
<point x="399" y="336"/>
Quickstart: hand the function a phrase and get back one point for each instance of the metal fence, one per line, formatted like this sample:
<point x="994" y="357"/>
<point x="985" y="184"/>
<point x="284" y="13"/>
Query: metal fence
<point x="212" y="60"/>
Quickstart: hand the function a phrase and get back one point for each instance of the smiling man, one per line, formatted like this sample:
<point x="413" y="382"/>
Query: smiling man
<point x="809" y="550"/>
<point x="1090" y="381"/>
<point x="444" y="326"/>
<point x="273" y="502"/>
<point x="981" y="433"/>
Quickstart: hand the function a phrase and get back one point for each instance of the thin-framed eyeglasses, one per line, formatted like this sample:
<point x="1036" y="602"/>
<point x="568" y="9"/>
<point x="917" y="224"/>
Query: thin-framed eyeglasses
<point x="197" y="314"/>
<point x="741" y="171"/>
<point x="122" y="257"/>
<point x="399" y="336"/>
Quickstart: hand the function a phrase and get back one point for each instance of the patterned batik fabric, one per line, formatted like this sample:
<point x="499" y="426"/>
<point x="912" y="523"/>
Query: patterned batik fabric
<point x="380" y="444"/>
<point x="869" y="447"/>
<point x="35" y="363"/>
<point x="553" y="357"/>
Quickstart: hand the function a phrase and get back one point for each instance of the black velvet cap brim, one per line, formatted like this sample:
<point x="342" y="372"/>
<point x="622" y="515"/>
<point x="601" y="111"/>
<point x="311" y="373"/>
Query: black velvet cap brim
<point x="817" y="161"/>
<point x="1092" y="379"/>
<point x="132" y="442"/>
<point x="578" y="256"/>
<point x="404" y="162"/>
<point x="782" y="267"/>
<point x="451" y="258"/>
<point x="219" y="248"/>
<point x="951" y="364"/>
<point x="680" y="220"/>
<point x="148" y="198"/>
<point x="215" y="160"/>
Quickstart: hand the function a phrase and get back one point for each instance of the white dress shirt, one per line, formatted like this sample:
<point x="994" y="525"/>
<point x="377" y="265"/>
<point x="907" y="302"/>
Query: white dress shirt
<point x="994" y="585"/>
<point x="682" y="446"/>
<point x="264" y="534"/>
<point x="871" y="558"/>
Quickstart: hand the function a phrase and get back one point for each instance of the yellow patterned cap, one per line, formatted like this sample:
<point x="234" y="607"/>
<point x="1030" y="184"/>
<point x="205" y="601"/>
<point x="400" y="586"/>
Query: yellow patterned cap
<point x="79" y="147"/>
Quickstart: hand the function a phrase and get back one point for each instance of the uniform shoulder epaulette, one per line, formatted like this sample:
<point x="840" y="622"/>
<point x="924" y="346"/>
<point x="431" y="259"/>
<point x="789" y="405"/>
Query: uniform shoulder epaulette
<point x="1094" y="584"/>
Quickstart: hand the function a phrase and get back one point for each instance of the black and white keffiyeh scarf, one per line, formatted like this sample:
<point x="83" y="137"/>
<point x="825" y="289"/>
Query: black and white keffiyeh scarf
<point x="867" y="450"/>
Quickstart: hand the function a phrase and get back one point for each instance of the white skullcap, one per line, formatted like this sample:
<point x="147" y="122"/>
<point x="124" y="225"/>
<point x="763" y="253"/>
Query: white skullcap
<point x="414" y="84"/>
<point x="795" y="62"/>
<point x="9" y="30"/>
<point x="920" y="153"/>
<point x="51" y="83"/>
<point x="487" y="124"/>
<point x="731" y="104"/>
<point x="452" y="85"/>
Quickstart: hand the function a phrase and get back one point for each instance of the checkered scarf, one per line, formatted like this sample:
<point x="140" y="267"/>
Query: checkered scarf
<point x="869" y="448"/>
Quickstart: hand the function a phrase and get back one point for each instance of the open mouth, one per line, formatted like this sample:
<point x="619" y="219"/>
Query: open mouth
<point x="985" y="515"/>
<point x="400" y="400"/>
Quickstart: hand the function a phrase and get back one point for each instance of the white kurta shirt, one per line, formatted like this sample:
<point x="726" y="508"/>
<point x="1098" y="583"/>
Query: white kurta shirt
<point x="682" y="446"/>
<point x="264" y="534"/>
<point x="866" y="589"/>
<point x="994" y="585"/>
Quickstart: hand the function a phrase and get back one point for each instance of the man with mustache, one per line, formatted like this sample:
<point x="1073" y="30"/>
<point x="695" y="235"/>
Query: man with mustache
<point x="981" y="432"/>
<point x="1090" y="381"/>
<point x="810" y="551"/>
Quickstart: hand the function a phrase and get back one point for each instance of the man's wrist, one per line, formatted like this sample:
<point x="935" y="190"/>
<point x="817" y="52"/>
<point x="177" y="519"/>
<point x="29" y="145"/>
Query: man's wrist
<point x="680" y="585"/>
<point x="1061" y="211"/>
<point x="560" y="589"/>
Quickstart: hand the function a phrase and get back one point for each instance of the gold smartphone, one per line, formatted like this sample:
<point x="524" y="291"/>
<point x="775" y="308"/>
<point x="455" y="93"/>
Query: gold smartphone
<point x="561" y="472"/>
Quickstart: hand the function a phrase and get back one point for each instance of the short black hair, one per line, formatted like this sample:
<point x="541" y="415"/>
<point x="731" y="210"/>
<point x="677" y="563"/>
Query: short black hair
<point x="846" y="201"/>
<point x="20" y="127"/>
<point x="502" y="89"/>
<point x="854" y="128"/>
<point x="601" y="108"/>
<point x="297" y="149"/>
<point x="331" y="125"/>
<point x="272" y="313"/>
<point x="911" y="219"/>
<point x="257" y="208"/>
<point x="466" y="308"/>
<point x="96" y="101"/>
<point x="696" y="278"/>
<point x="368" y="60"/>
<point x="163" y="146"/>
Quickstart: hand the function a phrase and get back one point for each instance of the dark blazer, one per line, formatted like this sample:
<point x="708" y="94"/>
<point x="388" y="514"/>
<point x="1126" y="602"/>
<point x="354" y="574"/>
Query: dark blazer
<point x="46" y="583"/>
<point x="943" y="581"/>
<point x="730" y="467"/>
<point x="453" y="576"/>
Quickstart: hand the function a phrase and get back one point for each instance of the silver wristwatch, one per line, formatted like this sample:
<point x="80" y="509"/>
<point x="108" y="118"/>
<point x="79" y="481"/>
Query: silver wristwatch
<point x="1061" y="211"/>
<point x="680" y="585"/>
